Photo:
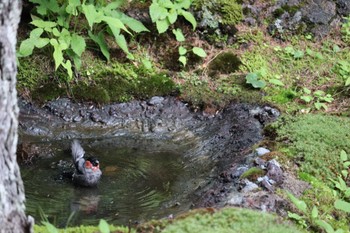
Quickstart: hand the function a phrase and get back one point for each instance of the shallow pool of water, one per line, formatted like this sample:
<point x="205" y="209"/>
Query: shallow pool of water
<point x="141" y="181"/>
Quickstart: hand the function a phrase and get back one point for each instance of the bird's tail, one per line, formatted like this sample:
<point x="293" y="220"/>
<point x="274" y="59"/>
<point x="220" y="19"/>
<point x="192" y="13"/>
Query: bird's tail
<point x="77" y="151"/>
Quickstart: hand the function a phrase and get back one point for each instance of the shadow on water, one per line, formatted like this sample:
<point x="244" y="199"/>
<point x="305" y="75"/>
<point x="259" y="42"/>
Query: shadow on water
<point x="141" y="181"/>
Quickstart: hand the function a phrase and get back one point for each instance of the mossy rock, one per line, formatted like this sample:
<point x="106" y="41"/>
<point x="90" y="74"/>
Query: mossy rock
<point x="229" y="220"/>
<point x="253" y="173"/>
<point x="224" y="63"/>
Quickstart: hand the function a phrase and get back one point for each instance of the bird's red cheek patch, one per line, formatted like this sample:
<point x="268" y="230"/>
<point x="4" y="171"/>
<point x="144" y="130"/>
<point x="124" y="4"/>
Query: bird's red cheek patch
<point x="88" y="164"/>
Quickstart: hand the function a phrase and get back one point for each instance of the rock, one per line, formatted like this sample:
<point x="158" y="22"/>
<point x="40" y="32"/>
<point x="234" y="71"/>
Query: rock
<point x="265" y="182"/>
<point x="274" y="171"/>
<point x="235" y="199"/>
<point x="155" y="100"/>
<point x="261" y="151"/>
<point x="260" y="162"/>
<point x="249" y="187"/>
<point x="238" y="172"/>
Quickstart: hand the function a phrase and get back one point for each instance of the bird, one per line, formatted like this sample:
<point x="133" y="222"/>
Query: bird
<point x="87" y="170"/>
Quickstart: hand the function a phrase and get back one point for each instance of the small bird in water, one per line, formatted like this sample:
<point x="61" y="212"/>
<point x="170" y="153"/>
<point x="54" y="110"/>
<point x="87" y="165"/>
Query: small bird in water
<point x="87" y="171"/>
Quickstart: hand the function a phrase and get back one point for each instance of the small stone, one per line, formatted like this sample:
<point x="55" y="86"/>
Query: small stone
<point x="236" y="199"/>
<point x="261" y="151"/>
<point x="155" y="100"/>
<point x="260" y="162"/>
<point x="250" y="186"/>
<point x="238" y="172"/>
<point x="274" y="171"/>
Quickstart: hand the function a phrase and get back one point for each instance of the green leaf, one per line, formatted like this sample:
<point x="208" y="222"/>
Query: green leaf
<point x="319" y="105"/>
<point x="343" y="156"/>
<point x="307" y="98"/>
<point x="46" y="25"/>
<point x="276" y="82"/>
<point x="114" y="23"/>
<point x="162" y="25"/>
<point x="183" y="60"/>
<point x="252" y="78"/>
<point x="92" y="16"/>
<point x="314" y="212"/>
<point x="182" y="50"/>
<point x="295" y="216"/>
<point x="50" y="228"/>
<point x="46" y="5"/>
<point x="41" y="42"/>
<point x="72" y="7"/>
<point x="36" y="33"/>
<point x="172" y="16"/>
<point x="306" y="91"/>
<point x="166" y="3"/>
<point x="189" y="17"/>
<point x="120" y="39"/>
<point x="103" y="226"/>
<point x="199" y="52"/>
<point x="326" y="226"/>
<point x="184" y="4"/>
<point x="68" y="66"/>
<point x="133" y="24"/>
<point x="298" y="54"/>
<point x="99" y="39"/>
<point x="301" y="205"/>
<point x="157" y="12"/>
<point x="347" y="82"/>
<point x="78" y="44"/>
<point x="178" y="34"/>
<point x="147" y="64"/>
<point x="26" y="48"/>
<point x="57" y="53"/>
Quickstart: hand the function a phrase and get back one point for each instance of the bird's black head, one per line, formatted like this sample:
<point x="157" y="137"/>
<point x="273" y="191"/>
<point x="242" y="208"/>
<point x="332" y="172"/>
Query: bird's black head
<point x="93" y="161"/>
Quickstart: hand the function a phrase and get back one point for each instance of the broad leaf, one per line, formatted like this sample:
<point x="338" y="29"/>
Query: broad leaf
<point x="172" y="17"/>
<point x="326" y="226"/>
<point x="301" y="205"/>
<point x="178" y="34"/>
<point x="252" y="78"/>
<point x="26" y="48"/>
<point x="132" y="23"/>
<point x="120" y="39"/>
<point x="199" y="52"/>
<point x="68" y="66"/>
<point x="189" y="17"/>
<point x="183" y="60"/>
<point x="99" y="39"/>
<point x="72" y="7"/>
<point x="276" y="82"/>
<point x="46" y="25"/>
<point x="182" y="50"/>
<point x="314" y="212"/>
<point x="114" y="23"/>
<point x="36" y="33"/>
<point x="103" y="226"/>
<point x="78" y="44"/>
<point x="342" y="205"/>
<point x="162" y="25"/>
<point x="91" y="14"/>
<point x="157" y="12"/>
<point x="347" y="82"/>
<point x="41" y="42"/>
<point x="57" y="54"/>
<point x="343" y="156"/>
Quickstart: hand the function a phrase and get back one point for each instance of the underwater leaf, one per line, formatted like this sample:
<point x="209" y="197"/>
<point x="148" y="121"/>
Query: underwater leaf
<point x="103" y="226"/>
<point x="199" y="52"/>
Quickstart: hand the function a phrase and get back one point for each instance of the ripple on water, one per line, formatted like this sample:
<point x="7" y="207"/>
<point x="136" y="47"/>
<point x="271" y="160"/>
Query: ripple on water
<point x="137" y="184"/>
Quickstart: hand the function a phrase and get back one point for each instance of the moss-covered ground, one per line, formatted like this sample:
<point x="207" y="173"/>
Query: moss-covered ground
<point x="304" y="77"/>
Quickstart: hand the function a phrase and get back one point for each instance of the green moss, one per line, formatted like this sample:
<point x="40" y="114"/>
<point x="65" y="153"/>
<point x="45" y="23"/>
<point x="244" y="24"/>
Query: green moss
<point x="230" y="220"/>
<point x="228" y="12"/>
<point x="315" y="141"/>
<point x="48" y="91"/>
<point x="253" y="173"/>
<point x="224" y="63"/>
<point x="231" y="12"/>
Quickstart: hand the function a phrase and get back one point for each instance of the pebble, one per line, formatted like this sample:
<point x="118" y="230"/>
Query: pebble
<point x="155" y="100"/>
<point x="261" y="151"/>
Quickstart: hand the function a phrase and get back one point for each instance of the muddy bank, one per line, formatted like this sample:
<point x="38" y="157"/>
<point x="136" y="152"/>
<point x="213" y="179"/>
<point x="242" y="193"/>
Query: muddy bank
<point x="210" y="144"/>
